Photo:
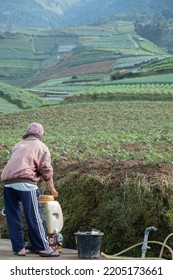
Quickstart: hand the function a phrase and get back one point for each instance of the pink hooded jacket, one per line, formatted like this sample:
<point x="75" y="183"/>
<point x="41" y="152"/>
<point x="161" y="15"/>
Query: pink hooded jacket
<point x="30" y="160"/>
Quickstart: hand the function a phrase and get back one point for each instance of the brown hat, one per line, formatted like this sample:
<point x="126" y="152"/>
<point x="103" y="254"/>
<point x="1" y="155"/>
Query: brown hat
<point x="35" y="129"/>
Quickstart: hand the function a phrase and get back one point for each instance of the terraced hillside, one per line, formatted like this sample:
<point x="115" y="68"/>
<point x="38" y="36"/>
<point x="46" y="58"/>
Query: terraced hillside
<point x="25" y="53"/>
<point x="100" y="51"/>
<point x="30" y="57"/>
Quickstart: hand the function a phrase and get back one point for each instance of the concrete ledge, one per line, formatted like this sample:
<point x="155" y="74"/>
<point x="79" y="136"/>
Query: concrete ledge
<point x="7" y="254"/>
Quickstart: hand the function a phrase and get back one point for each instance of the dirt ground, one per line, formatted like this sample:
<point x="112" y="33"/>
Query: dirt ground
<point x="109" y="169"/>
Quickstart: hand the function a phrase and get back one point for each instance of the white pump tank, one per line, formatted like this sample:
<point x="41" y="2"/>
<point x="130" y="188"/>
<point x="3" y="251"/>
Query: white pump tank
<point x="52" y="214"/>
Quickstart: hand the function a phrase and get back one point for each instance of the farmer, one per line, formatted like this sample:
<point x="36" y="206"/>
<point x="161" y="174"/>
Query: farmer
<point x="30" y="161"/>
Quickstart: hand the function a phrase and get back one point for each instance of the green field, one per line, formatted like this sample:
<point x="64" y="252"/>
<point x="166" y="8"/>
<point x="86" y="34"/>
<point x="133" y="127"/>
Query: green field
<point x="151" y="79"/>
<point x="101" y="130"/>
<point x="133" y="89"/>
<point x="101" y="84"/>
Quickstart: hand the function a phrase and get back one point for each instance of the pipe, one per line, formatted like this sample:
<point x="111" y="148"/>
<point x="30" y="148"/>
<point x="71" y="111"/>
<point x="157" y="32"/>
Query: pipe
<point x="164" y="242"/>
<point x="144" y="244"/>
<point x="118" y="257"/>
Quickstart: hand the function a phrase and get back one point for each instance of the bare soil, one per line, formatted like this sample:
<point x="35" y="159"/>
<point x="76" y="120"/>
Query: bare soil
<point x="109" y="169"/>
<point x="63" y="70"/>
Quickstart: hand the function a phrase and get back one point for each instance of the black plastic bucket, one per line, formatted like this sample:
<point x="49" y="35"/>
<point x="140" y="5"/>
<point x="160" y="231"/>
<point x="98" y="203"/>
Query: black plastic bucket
<point x="88" y="244"/>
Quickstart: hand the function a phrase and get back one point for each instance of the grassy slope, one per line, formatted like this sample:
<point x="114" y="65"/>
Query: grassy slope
<point x="7" y="107"/>
<point x="16" y="99"/>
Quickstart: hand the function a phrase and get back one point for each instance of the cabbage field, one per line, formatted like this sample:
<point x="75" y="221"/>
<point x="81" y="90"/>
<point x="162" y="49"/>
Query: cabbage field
<point x="140" y="130"/>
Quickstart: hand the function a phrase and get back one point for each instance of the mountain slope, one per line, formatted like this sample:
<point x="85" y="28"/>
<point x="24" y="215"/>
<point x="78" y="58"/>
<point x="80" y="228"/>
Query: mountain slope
<point x="55" y="13"/>
<point x="57" y="6"/>
<point x="26" y="14"/>
<point x="100" y="8"/>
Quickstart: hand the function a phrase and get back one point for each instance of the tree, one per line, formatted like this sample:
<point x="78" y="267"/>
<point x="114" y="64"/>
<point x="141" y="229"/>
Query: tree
<point x="153" y="31"/>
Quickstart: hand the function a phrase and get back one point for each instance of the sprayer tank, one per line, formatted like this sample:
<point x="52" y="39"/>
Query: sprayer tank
<point x="52" y="213"/>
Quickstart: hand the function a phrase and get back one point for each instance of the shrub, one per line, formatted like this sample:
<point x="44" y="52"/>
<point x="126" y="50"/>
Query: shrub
<point x="122" y="209"/>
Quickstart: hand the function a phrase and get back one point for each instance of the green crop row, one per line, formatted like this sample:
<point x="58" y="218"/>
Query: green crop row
<point x="151" y="79"/>
<point x="161" y="64"/>
<point x="19" y="63"/>
<point x="122" y="41"/>
<point x="131" y="89"/>
<point x="132" y="61"/>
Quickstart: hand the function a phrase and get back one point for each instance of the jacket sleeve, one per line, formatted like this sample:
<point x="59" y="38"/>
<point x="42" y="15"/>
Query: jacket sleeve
<point x="45" y="169"/>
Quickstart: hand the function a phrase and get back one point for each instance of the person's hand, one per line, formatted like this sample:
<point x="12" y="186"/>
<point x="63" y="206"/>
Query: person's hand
<point x="54" y="192"/>
<point x="51" y="188"/>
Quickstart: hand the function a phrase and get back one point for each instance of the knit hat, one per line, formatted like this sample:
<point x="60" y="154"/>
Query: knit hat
<point x="35" y="129"/>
